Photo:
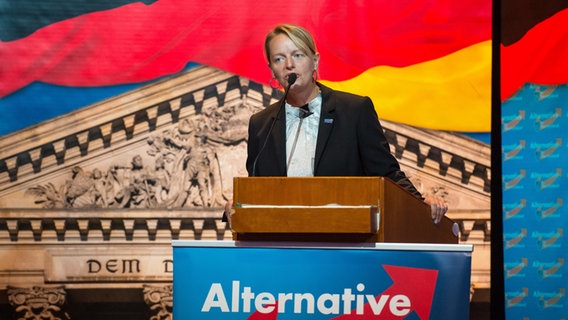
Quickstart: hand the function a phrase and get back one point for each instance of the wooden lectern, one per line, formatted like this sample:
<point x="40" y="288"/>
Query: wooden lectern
<point x="333" y="209"/>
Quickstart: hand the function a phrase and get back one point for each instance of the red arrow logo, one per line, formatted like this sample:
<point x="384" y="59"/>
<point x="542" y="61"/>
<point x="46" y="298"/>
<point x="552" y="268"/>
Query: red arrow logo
<point x="416" y="285"/>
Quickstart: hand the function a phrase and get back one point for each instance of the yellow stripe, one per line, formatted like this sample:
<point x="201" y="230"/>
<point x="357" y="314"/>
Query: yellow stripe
<point x="450" y="93"/>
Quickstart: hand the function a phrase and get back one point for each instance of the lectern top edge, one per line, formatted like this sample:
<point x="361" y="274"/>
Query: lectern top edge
<point x="437" y="247"/>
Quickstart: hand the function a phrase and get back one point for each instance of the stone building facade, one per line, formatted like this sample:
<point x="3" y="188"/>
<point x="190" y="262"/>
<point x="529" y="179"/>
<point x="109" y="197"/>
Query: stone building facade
<point x="90" y="201"/>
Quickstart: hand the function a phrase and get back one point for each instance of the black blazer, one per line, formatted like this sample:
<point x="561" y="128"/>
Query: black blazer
<point x="350" y="142"/>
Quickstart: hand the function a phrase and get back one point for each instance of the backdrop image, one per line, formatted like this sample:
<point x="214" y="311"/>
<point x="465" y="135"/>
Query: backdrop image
<point x="123" y="124"/>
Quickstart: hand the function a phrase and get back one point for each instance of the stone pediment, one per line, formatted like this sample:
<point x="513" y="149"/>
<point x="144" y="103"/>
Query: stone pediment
<point x="178" y="143"/>
<point x="162" y="145"/>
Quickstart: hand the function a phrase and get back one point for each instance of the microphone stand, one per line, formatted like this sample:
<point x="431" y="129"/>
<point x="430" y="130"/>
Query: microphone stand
<point x="291" y="80"/>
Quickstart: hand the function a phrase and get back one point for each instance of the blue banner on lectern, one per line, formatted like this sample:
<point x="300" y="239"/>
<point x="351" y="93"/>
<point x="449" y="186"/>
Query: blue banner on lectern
<point x="384" y="281"/>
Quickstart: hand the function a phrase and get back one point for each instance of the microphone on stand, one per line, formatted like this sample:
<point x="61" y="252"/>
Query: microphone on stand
<point x="291" y="80"/>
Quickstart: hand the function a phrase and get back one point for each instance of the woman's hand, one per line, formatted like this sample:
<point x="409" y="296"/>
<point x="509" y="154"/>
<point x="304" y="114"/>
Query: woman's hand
<point x="439" y="207"/>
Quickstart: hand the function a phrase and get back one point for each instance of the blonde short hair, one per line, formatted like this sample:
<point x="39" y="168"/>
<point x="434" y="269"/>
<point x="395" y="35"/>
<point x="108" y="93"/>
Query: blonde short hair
<point x="299" y="36"/>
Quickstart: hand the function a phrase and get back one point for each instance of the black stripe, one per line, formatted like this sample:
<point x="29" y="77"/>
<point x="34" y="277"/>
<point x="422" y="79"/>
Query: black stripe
<point x="519" y="16"/>
<point x="20" y="18"/>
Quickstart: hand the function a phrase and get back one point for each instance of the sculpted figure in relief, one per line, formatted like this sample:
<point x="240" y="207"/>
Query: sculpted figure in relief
<point x="180" y="169"/>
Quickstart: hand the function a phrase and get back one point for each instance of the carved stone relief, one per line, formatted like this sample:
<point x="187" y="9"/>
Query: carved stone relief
<point x="180" y="168"/>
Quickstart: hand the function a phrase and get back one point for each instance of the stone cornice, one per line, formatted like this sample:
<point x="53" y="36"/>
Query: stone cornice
<point x="110" y="226"/>
<point x="471" y="159"/>
<point x="40" y="226"/>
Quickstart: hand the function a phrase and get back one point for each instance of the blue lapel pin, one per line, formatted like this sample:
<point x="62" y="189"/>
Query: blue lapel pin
<point x="327" y="120"/>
